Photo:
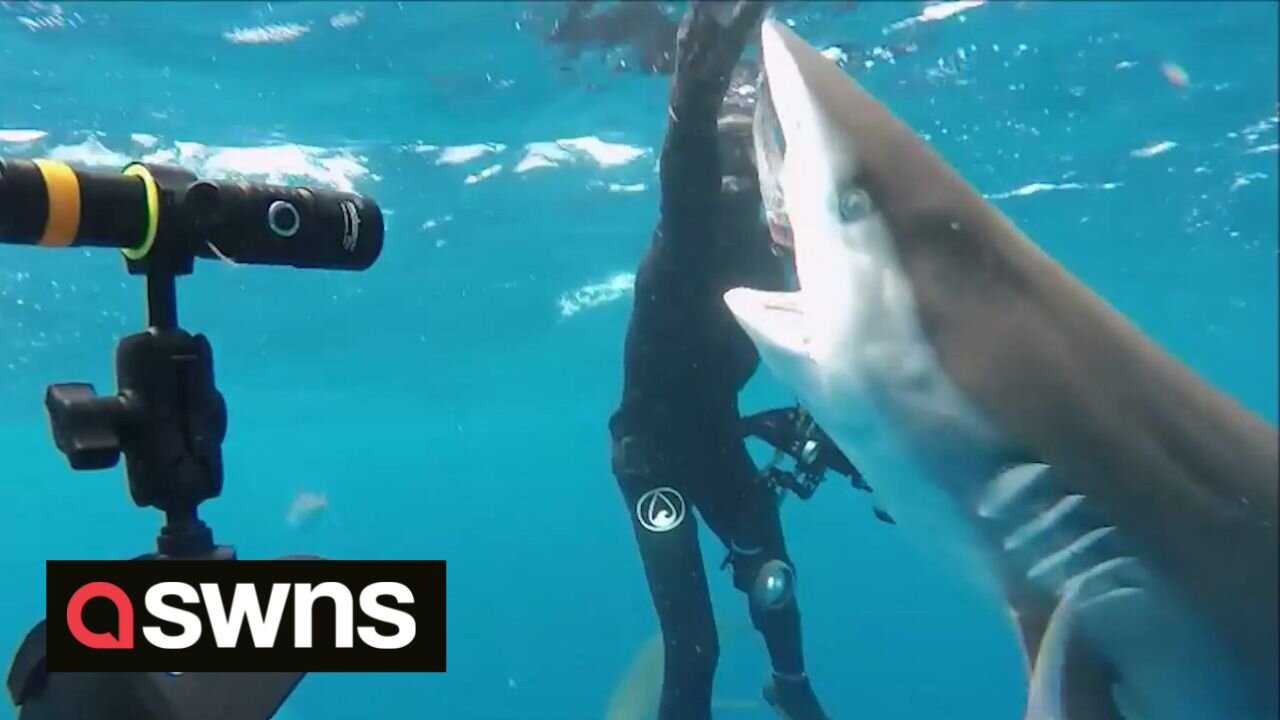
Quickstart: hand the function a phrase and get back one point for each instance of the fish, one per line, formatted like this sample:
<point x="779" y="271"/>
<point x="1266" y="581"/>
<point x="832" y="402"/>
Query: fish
<point x="1121" y="509"/>
<point x="306" y="510"/>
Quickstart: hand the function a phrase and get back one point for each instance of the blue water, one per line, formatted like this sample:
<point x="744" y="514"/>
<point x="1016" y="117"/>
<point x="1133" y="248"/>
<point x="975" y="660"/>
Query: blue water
<point x="450" y="402"/>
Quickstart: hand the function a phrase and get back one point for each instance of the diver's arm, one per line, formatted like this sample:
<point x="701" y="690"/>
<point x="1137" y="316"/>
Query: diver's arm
<point x="711" y="38"/>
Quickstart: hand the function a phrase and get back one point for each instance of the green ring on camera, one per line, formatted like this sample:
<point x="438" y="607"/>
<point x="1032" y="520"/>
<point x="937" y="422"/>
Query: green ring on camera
<point x="153" y="211"/>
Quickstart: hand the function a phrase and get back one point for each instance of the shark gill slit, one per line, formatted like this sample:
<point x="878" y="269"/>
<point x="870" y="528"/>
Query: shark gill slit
<point x="1051" y="537"/>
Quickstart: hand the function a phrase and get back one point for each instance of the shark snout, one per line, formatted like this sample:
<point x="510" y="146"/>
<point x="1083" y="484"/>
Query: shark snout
<point x="804" y="155"/>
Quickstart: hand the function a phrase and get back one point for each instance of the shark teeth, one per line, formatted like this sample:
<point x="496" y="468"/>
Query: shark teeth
<point x="787" y="303"/>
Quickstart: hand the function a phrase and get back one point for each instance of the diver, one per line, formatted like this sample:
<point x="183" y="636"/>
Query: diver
<point x="678" y="441"/>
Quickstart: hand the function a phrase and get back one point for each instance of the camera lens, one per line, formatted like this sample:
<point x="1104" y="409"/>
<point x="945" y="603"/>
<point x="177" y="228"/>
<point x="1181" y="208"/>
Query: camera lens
<point x="282" y="218"/>
<point x="809" y="452"/>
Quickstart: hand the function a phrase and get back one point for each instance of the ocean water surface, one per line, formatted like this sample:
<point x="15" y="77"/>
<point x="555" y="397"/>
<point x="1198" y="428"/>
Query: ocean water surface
<point x="451" y="401"/>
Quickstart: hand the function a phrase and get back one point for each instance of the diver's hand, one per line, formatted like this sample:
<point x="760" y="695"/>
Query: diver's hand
<point x="712" y="36"/>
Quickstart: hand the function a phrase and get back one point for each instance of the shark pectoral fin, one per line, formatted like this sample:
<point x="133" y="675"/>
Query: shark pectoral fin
<point x="1067" y="681"/>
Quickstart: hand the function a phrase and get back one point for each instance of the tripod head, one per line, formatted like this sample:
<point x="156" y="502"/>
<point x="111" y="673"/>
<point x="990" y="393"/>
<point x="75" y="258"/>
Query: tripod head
<point x="169" y="421"/>
<point x="167" y="418"/>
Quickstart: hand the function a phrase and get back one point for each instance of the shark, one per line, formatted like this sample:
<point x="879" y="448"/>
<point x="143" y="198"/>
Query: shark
<point x="1121" y="509"/>
<point x="638" y="693"/>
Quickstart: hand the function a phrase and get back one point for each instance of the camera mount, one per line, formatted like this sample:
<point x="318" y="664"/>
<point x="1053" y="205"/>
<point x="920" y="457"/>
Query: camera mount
<point x="167" y="418"/>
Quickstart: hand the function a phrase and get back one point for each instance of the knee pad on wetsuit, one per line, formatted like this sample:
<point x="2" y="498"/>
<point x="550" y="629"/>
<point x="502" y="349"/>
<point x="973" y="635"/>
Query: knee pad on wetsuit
<point x="769" y="584"/>
<point x="774" y="586"/>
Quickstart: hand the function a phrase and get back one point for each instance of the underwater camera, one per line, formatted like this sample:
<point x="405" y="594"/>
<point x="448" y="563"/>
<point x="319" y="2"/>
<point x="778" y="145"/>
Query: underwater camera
<point x="168" y="418"/>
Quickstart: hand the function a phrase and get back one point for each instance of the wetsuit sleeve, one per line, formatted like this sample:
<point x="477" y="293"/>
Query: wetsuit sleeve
<point x="711" y="38"/>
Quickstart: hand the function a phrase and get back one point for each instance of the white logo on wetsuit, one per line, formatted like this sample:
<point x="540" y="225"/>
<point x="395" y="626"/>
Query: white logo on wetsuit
<point x="660" y="509"/>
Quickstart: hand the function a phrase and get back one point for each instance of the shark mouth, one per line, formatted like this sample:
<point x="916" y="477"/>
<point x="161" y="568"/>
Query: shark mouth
<point x="773" y="320"/>
<point x="787" y="303"/>
<point x="770" y="149"/>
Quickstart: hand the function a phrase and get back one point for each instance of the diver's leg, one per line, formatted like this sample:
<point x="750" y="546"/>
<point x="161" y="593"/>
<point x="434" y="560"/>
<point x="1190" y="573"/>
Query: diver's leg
<point x="744" y="514"/>
<point x="775" y="609"/>
<point x="667" y="535"/>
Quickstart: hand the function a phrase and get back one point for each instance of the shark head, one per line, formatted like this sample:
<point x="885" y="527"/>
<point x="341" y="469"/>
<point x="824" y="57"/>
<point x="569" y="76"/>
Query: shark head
<point x="848" y="341"/>
<point x="849" y="316"/>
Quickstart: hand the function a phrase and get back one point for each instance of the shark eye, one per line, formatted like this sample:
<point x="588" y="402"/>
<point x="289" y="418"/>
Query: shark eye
<point x="854" y="204"/>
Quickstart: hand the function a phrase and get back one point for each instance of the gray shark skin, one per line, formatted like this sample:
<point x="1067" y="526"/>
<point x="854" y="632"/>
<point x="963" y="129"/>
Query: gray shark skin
<point x="1124" y="511"/>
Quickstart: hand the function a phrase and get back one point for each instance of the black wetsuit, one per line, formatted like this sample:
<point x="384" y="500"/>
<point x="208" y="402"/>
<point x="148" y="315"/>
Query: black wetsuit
<point x="677" y="435"/>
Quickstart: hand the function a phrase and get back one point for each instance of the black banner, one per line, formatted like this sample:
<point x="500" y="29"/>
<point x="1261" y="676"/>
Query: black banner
<point x="246" y="616"/>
